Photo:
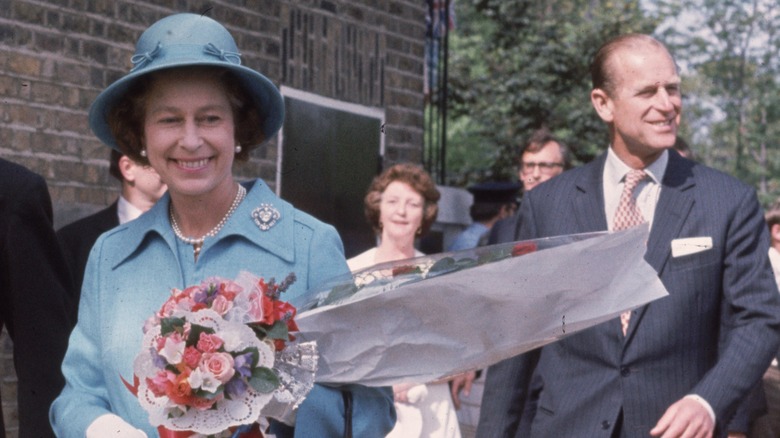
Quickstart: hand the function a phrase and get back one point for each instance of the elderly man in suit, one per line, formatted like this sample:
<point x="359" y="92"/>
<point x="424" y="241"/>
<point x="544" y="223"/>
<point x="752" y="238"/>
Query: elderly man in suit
<point x="660" y="369"/>
<point x="141" y="188"/>
<point x="36" y="303"/>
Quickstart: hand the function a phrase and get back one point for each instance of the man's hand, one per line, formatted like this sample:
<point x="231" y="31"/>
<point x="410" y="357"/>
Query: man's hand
<point x="461" y="382"/>
<point x="687" y="418"/>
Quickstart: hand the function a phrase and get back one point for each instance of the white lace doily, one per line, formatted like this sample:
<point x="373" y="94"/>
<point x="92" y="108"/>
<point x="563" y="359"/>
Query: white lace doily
<point x="228" y="412"/>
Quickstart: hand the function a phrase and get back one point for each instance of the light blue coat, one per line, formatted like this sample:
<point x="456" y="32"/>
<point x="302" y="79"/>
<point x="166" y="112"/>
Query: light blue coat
<point x="130" y="273"/>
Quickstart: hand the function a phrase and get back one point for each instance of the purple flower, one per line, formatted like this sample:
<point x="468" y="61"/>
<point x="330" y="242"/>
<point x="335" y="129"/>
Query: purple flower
<point x="158" y="360"/>
<point x="235" y="388"/>
<point x="242" y="364"/>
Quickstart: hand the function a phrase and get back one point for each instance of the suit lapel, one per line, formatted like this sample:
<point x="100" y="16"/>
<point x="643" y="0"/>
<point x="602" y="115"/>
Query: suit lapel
<point x="590" y="216"/>
<point x="674" y="206"/>
<point x="589" y="199"/>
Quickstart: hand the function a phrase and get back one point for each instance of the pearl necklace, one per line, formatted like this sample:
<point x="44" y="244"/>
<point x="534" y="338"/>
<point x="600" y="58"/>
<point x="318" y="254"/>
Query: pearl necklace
<point x="197" y="243"/>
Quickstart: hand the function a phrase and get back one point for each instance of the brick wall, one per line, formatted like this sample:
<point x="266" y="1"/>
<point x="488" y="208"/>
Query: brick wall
<point x="58" y="55"/>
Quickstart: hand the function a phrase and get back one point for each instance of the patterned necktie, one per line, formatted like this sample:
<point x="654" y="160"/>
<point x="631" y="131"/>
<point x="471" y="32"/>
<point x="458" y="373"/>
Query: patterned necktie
<point x="628" y="215"/>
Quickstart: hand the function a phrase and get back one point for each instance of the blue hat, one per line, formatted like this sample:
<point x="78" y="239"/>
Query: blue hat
<point x="188" y="40"/>
<point x="495" y="192"/>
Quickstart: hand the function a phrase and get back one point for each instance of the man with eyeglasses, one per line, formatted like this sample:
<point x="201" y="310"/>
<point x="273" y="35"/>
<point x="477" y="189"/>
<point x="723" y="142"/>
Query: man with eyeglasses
<point x="541" y="158"/>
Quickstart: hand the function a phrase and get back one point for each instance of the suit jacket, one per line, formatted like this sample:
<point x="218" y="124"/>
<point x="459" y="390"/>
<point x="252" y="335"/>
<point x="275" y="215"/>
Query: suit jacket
<point x="35" y="302"/>
<point x="505" y="230"/>
<point x="78" y="237"/>
<point x="672" y="346"/>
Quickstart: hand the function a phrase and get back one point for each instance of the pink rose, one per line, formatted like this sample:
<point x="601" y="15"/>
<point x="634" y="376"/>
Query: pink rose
<point x="161" y="382"/>
<point x="221" y="305"/>
<point x="209" y="343"/>
<point x="256" y="307"/>
<point x="229" y="289"/>
<point x="167" y="308"/>
<point x="220" y="365"/>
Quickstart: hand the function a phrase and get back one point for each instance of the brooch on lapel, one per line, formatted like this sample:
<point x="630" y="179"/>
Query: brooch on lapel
<point x="265" y="216"/>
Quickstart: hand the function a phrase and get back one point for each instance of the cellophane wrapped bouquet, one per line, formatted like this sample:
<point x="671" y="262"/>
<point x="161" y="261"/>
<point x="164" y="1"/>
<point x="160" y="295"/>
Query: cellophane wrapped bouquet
<point x="221" y="354"/>
<point x="427" y="318"/>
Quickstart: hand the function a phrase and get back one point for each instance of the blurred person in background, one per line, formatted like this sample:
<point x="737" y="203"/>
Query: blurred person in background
<point x="401" y="205"/>
<point x="493" y="201"/>
<point x="36" y="296"/>
<point x="141" y="188"/>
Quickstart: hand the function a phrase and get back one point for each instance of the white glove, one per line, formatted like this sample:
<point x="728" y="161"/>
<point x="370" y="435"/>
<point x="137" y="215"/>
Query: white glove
<point x="110" y="425"/>
<point x="416" y="393"/>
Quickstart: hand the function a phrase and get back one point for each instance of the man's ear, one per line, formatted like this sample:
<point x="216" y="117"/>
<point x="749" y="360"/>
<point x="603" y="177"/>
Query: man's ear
<point x="127" y="167"/>
<point x="603" y="104"/>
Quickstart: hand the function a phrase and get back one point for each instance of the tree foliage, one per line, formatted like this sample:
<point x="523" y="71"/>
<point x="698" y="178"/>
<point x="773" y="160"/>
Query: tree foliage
<point x="517" y="65"/>
<point x="732" y="111"/>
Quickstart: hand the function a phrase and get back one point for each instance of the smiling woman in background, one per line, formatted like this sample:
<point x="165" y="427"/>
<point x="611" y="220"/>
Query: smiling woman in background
<point x="402" y="204"/>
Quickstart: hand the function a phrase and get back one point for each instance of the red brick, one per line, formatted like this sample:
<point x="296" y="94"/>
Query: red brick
<point x="24" y="64"/>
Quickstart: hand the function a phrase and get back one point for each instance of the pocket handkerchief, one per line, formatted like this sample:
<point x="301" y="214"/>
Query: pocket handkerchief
<point x="690" y="245"/>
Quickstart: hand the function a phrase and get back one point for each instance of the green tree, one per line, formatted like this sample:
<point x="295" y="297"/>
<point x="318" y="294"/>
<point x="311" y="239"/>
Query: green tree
<point x="517" y="65"/>
<point x="731" y="77"/>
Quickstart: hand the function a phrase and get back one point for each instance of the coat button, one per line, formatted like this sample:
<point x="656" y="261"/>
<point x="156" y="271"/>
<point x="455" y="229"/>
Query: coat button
<point x="625" y="371"/>
<point x="605" y="425"/>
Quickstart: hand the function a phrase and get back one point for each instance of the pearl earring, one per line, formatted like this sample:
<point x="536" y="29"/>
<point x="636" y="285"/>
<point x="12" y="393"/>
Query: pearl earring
<point x="143" y="153"/>
<point x="238" y="148"/>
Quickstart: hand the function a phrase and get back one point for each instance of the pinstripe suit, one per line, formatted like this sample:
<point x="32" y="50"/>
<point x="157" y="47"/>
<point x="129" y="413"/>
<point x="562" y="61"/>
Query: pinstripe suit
<point x="671" y="348"/>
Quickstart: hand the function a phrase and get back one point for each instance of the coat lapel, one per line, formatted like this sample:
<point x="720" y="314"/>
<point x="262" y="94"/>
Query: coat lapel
<point x="589" y="199"/>
<point x="674" y="206"/>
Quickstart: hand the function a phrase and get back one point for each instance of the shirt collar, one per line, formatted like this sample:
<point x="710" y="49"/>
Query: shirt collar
<point x="126" y="211"/>
<point x="615" y="169"/>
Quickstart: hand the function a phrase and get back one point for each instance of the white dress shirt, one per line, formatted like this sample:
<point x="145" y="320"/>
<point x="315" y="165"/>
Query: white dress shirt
<point x="126" y="211"/>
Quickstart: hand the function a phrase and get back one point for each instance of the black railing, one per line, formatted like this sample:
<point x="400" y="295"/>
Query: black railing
<point x="438" y="24"/>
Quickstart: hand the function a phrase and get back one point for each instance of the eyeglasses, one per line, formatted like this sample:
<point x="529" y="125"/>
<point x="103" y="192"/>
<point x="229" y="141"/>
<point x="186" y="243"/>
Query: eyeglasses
<point x="544" y="166"/>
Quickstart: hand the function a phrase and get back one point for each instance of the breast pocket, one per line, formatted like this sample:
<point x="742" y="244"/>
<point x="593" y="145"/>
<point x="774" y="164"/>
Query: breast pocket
<point x="703" y="259"/>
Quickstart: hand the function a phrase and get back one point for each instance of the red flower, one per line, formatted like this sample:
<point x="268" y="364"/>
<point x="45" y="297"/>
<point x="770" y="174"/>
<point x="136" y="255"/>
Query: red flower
<point x="283" y="311"/>
<point x="180" y="391"/>
<point x="404" y="269"/>
<point x="267" y="303"/>
<point x="160" y="383"/>
<point x="523" y="248"/>
<point x="204" y="404"/>
<point x="191" y="357"/>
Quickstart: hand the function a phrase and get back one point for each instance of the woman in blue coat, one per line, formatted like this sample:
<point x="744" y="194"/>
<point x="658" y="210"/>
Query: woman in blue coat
<point x="189" y="109"/>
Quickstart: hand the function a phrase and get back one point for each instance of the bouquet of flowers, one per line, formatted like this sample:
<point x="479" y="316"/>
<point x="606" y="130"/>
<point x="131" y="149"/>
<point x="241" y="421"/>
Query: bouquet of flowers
<point x="217" y="354"/>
